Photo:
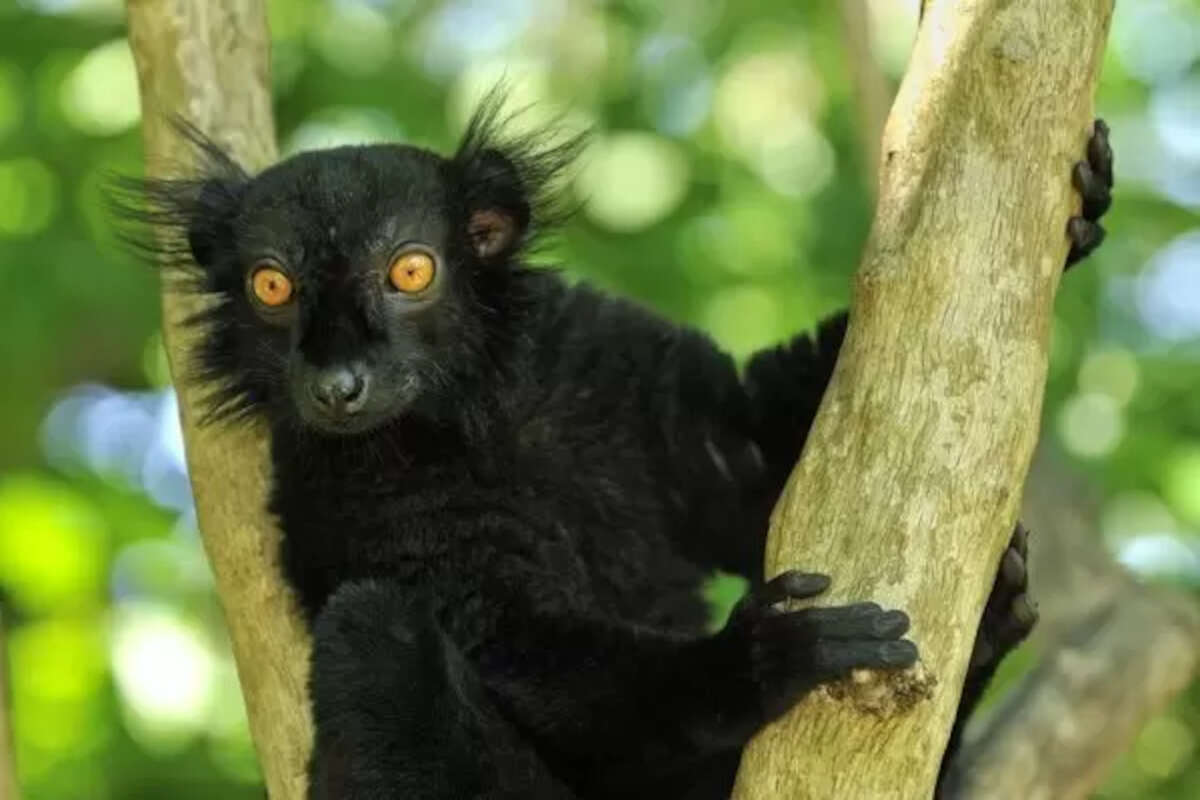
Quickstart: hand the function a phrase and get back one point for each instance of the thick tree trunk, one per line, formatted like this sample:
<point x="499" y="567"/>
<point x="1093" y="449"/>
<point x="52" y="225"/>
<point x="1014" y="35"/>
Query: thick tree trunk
<point x="207" y="61"/>
<point x="909" y="486"/>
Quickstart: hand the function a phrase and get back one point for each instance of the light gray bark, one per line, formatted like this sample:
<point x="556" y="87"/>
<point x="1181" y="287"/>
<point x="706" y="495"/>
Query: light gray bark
<point x="908" y="488"/>
<point x="208" y="61"/>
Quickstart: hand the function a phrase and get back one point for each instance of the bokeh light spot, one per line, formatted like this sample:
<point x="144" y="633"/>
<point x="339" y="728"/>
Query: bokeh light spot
<point x="52" y="546"/>
<point x="676" y="86"/>
<point x="631" y="180"/>
<point x="1161" y="555"/>
<point x="335" y="126"/>
<point x="1131" y="514"/>
<point x="764" y="94"/>
<point x="28" y="197"/>
<point x="1169" y="290"/>
<point x="100" y="96"/>
<point x="464" y="31"/>
<point x="133" y="435"/>
<point x="743" y="319"/>
<point x="1110" y="371"/>
<point x="893" y="28"/>
<point x="355" y="38"/>
<point x="58" y="669"/>
<point x="165" y="671"/>
<point x="1175" y="110"/>
<point x="1181" y="482"/>
<point x="1156" y="39"/>
<point x="1164" y="747"/>
<point x="1090" y="425"/>
<point x="798" y="161"/>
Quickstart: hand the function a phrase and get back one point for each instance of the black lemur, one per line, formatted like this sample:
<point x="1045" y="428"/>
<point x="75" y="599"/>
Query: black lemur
<point x="500" y="493"/>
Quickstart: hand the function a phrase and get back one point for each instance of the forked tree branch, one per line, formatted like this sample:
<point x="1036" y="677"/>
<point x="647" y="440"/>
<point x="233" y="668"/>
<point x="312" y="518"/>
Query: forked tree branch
<point x="908" y="488"/>
<point x="208" y="61"/>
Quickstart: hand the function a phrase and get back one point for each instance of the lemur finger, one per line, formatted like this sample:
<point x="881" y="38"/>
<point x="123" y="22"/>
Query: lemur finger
<point x="1095" y="192"/>
<point x="1099" y="152"/>
<point x="1020" y="540"/>
<point x="1025" y="611"/>
<point x="835" y="659"/>
<point x="861" y="621"/>
<point x="1085" y="237"/>
<point x="1012" y="567"/>
<point x="790" y="585"/>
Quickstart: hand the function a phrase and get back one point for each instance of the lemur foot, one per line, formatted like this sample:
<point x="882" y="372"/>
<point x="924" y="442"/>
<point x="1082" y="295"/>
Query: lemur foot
<point x="1010" y="613"/>
<point x="1093" y="179"/>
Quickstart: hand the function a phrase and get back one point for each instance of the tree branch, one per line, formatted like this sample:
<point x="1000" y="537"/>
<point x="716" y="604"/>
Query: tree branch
<point x="1043" y="740"/>
<point x="908" y="488"/>
<point x="1115" y="652"/>
<point x="208" y="62"/>
<point x="872" y="89"/>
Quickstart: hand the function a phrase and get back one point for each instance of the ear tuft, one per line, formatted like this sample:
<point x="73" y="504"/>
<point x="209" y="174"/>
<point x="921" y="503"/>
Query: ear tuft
<point x="177" y="221"/>
<point x="510" y="181"/>
<point x="210" y="218"/>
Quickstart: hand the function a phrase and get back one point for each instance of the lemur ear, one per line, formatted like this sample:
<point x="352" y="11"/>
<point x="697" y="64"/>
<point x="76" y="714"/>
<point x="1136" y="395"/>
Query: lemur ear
<point x="498" y="211"/>
<point x="509" y="180"/>
<point x="493" y="233"/>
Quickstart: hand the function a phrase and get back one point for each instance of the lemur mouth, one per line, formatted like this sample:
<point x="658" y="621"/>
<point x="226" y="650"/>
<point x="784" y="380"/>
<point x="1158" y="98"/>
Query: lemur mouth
<point x="350" y="421"/>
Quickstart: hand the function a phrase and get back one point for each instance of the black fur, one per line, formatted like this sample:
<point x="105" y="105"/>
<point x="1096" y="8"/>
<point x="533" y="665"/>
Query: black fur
<point x="500" y="550"/>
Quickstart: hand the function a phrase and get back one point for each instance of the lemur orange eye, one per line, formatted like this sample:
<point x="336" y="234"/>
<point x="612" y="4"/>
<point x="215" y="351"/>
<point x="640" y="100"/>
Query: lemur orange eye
<point x="271" y="286"/>
<point x="412" y="271"/>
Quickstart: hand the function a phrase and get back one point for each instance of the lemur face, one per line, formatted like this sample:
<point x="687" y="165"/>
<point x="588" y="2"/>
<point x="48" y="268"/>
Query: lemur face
<point x="356" y="285"/>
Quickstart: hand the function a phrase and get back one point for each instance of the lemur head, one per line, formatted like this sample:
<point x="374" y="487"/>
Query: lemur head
<point x="356" y="285"/>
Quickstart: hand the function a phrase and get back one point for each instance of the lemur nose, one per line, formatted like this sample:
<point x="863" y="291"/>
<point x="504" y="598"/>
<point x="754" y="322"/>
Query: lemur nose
<point x="342" y="390"/>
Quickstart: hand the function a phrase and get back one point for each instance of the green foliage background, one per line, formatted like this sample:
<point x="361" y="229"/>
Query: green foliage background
<point x="726" y="188"/>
